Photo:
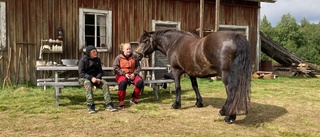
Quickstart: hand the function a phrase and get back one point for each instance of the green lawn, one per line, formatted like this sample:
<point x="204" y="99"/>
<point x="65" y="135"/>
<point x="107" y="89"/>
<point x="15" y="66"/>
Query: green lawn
<point x="280" y="107"/>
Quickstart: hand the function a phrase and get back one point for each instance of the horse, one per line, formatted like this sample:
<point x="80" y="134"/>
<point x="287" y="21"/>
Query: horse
<point x="224" y="53"/>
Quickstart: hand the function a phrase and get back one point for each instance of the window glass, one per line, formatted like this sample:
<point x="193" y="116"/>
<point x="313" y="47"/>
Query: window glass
<point x="95" y="28"/>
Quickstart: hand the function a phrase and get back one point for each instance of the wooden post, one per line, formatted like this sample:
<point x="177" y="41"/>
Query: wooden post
<point x="25" y="45"/>
<point x="201" y="18"/>
<point x="217" y="15"/>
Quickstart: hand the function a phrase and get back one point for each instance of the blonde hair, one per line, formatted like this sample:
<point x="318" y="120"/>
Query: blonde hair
<point x="121" y="46"/>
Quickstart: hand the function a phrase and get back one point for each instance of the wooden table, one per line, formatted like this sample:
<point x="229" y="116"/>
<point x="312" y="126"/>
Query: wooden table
<point x="58" y="85"/>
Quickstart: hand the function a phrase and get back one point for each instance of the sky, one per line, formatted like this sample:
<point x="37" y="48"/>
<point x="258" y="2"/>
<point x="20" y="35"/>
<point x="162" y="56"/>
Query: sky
<point x="299" y="9"/>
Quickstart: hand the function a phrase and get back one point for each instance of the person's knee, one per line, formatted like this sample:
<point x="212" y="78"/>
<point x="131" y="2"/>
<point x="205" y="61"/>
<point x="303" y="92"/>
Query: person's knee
<point x="104" y="83"/>
<point x="87" y="84"/>
<point x="123" y="85"/>
<point x="139" y="84"/>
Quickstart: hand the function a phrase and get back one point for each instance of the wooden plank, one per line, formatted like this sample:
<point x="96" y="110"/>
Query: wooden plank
<point x="65" y="68"/>
<point x="68" y="49"/>
<point x="32" y="38"/>
<point x="10" y="40"/>
<point x="50" y="17"/>
<point x="75" y="38"/>
<point x="58" y="84"/>
<point x="64" y="17"/>
<point x="131" y="19"/>
<point x="75" y="83"/>
<point x="201" y="18"/>
<point x="158" y="81"/>
<point x="18" y="37"/>
<point x="70" y="79"/>
<point x="217" y="20"/>
<point x="95" y="4"/>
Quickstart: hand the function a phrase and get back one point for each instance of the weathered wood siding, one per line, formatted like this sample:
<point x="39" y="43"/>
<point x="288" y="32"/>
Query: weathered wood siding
<point x="29" y="21"/>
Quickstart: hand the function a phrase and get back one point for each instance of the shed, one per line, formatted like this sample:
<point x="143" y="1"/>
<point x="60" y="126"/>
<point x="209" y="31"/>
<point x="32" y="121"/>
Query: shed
<point x="25" y="24"/>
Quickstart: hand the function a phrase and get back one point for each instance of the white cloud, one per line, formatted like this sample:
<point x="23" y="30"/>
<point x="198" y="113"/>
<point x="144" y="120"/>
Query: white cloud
<point x="299" y="9"/>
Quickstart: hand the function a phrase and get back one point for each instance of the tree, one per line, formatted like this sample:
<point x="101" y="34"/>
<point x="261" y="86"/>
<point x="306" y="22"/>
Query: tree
<point x="310" y="49"/>
<point x="304" y="22"/>
<point x="302" y="40"/>
<point x="267" y="29"/>
<point x="265" y="26"/>
<point x="288" y="33"/>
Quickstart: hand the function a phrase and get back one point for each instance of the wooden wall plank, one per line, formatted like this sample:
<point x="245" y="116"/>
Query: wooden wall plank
<point x="32" y="31"/>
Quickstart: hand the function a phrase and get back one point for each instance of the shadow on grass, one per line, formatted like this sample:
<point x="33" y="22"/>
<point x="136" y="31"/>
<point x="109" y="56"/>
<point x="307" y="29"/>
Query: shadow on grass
<point x="69" y="100"/>
<point x="73" y="100"/>
<point x="257" y="115"/>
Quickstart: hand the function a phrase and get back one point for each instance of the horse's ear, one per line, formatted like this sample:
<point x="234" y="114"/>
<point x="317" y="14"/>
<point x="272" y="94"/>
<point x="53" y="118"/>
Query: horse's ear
<point x="145" y="32"/>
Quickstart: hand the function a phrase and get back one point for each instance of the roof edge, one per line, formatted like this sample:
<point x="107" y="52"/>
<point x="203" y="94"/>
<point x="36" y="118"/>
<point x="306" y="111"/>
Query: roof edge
<point x="268" y="1"/>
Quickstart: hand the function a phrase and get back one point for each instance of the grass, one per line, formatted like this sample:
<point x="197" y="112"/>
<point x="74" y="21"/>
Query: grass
<point x="280" y="107"/>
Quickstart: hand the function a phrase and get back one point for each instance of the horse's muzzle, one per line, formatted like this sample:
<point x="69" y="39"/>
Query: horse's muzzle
<point x="138" y="56"/>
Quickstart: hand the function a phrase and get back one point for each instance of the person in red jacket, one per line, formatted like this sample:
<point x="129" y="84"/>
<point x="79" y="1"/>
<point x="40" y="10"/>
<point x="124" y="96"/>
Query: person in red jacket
<point x="127" y="72"/>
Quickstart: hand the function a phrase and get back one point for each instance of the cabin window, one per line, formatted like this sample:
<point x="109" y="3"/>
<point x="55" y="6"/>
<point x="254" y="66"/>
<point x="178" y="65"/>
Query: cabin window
<point x="3" y="36"/>
<point x="244" y="30"/>
<point x="158" y="25"/>
<point x="95" y="28"/>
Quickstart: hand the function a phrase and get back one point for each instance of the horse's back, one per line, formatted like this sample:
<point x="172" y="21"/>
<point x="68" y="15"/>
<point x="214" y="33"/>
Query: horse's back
<point x="204" y="57"/>
<point x="220" y="48"/>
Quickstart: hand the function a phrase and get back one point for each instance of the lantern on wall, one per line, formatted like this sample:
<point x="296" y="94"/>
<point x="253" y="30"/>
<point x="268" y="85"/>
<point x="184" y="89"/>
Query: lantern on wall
<point x="60" y="33"/>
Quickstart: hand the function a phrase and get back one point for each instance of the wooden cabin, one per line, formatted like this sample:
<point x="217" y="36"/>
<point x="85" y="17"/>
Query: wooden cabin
<point x="26" y="26"/>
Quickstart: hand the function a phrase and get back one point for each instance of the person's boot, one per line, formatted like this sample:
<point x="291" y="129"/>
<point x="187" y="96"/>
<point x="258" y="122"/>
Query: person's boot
<point x="91" y="108"/>
<point x="110" y="107"/>
<point x="121" y="105"/>
<point x="134" y="101"/>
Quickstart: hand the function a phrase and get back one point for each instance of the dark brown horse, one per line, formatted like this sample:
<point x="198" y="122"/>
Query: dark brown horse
<point x="224" y="53"/>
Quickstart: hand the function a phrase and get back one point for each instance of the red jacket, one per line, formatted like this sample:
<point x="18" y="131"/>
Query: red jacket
<point x="126" y="65"/>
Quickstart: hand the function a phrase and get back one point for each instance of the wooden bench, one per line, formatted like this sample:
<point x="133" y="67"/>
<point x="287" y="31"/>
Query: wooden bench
<point x="155" y="84"/>
<point x="70" y="79"/>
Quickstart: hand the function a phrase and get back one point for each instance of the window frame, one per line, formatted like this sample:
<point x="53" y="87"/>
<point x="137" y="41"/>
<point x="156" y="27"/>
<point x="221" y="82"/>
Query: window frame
<point x="236" y="27"/>
<point x="160" y="22"/>
<point x="154" y="24"/>
<point x="108" y="13"/>
<point x="3" y="38"/>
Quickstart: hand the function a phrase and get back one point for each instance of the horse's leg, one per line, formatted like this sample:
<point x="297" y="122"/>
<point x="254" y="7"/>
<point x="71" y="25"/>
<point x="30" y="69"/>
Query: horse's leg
<point x="176" y="74"/>
<point x="229" y="118"/>
<point x="196" y="90"/>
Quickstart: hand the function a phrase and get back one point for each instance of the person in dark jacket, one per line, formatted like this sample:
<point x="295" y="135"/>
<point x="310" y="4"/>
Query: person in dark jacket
<point x="90" y="74"/>
<point x="127" y="72"/>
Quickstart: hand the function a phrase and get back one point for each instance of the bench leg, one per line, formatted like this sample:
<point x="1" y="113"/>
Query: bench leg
<point x="56" y="94"/>
<point x="155" y="91"/>
<point x="57" y="91"/>
<point x="56" y="88"/>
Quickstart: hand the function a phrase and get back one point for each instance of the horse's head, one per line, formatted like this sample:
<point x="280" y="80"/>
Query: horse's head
<point x="146" y="45"/>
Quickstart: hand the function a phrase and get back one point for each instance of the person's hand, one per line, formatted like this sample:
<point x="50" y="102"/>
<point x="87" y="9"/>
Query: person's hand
<point x="132" y="76"/>
<point x="127" y="76"/>
<point x="98" y="81"/>
<point x="94" y="80"/>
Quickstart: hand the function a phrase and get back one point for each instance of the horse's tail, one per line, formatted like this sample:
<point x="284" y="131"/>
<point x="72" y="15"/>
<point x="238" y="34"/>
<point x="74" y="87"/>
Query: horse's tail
<point x="239" y="86"/>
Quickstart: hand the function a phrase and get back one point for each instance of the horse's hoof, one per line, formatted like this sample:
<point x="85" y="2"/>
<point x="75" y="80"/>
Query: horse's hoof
<point x="199" y="105"/>
<point x="230" y="119"/>
<point x="175" y="106"/>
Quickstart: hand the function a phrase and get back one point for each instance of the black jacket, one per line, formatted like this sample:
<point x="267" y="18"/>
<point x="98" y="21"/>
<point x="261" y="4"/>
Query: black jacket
<point x="89" y="68"/>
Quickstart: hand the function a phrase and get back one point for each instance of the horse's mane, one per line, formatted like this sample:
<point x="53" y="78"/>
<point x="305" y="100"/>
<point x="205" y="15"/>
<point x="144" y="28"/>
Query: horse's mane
<point x="162" y="32"/>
